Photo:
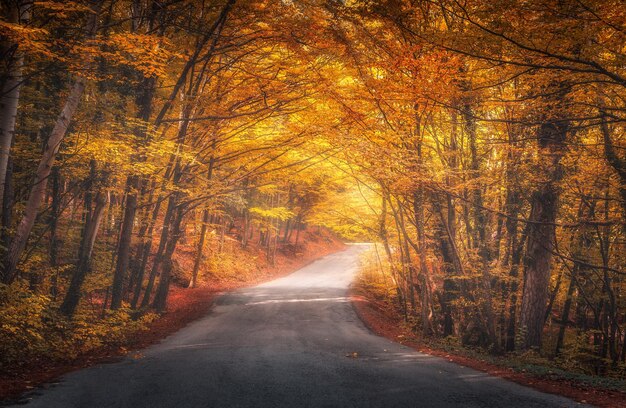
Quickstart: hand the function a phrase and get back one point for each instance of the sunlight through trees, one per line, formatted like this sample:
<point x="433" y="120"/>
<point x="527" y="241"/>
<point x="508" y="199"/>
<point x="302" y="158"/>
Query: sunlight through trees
<point x="481" y="144"/>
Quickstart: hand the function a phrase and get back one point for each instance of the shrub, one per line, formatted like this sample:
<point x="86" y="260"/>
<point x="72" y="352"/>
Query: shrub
<point x="32" y="329"/>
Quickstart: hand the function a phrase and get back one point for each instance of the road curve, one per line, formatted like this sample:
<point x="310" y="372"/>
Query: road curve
<point x="286" y="343"/>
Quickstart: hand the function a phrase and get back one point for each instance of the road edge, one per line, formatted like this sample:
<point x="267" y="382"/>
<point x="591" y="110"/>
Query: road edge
<point x="173" y="323"/>
<point x="384" y="325"/>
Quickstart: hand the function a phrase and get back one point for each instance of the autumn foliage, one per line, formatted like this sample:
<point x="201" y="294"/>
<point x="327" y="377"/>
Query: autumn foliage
<point x="481" y="144"/>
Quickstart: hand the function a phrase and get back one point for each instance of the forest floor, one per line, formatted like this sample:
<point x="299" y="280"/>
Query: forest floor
<point x="385" y="320"/>
<point x="184" y="306"/>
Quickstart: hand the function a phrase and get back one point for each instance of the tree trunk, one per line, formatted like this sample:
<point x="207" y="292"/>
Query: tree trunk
<point x="618" y="164"/>
<point x="512" y="258"/>
<point x="145" y="95"/>
<point x="55" y="212"/>
<point x="566" y="310"/>
<point x="18" y="243"/>
<point x="286" y="234"/>
<point x="145" y="247"/>
<point x="124" y="245"/>
<point x="84" y="259"/>
<point x="541" y="234"/>
<point x="479" y="238"/>
<point x="424" y="279"/>
<point x="158" y="257"/>
<point x="10" y="91"/>
<point x="7" y="206"/>
<point x="245" y="236"/>
<point x="450" y="286"/>
<point x="160" y="298"/>
<point x="196" y="264"/>
<point x="298" y="227"/>
<point x="37" y="191"/>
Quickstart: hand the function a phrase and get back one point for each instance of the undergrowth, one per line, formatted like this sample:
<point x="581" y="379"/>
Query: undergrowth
<point x="576" y="363"/>
<point x="32" y="329"/>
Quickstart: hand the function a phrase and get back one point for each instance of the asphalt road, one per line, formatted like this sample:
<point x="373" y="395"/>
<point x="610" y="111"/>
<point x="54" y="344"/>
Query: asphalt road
<point x="286" y="343"/>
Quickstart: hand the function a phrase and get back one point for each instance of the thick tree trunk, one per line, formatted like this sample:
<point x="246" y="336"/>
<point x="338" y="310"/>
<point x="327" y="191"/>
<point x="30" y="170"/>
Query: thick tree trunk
<point x="537" y="273"/>
<point x="541" y="234"/>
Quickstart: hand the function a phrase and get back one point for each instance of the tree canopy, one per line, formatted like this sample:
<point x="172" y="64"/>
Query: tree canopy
<point x="481" y="144"/>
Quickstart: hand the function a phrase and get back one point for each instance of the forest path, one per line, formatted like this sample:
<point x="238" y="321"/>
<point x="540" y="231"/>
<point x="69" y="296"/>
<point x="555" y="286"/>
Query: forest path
<point x="287" y="343"/>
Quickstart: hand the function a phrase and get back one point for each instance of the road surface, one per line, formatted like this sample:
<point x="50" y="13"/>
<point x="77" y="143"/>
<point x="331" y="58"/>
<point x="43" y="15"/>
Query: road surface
<point x="286" y="343"/>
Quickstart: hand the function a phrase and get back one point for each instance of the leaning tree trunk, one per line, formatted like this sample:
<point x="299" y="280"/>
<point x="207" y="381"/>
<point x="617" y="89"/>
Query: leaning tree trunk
<point x="37" y="191"/>
<point x="205" y="221"/>
<point x="18" y="243"/>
